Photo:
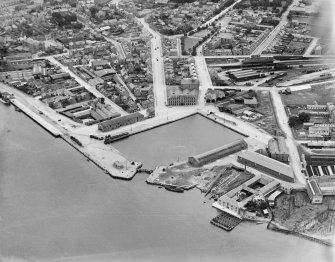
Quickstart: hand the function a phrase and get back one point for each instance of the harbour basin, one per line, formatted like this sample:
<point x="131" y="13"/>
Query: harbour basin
<point x="176" y="141"/>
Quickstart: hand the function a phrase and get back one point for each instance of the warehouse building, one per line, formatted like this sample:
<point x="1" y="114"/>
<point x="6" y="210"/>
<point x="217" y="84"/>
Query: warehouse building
<point x="115" y="123"/>
<point x="234" y="201"/>
<point x="267" y="165"/>
<point x="244" y="75"/>
<point x="220" y="152"/>
<point x="318" y="187"/>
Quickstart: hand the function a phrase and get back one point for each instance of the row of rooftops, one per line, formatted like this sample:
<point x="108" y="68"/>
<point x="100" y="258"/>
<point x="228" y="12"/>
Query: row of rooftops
<point x="117" y="120"/>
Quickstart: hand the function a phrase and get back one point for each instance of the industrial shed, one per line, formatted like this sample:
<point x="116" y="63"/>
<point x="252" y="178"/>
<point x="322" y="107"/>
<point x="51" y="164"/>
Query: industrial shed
<point x="267" y="165"/>
<point x="115" y="123"/>
<point x="212" y="155"/>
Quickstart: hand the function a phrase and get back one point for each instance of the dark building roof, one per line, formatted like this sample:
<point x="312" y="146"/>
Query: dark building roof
<point x="121" y="119"/>
<point x="240" y="144"/>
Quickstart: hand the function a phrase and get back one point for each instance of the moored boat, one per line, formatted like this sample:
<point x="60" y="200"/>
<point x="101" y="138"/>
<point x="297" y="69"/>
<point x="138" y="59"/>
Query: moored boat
<point x="5" y="101"/>
<point x="5" y="98"/>
<point x="174" y="188"/>
<point x="110" y="139"/>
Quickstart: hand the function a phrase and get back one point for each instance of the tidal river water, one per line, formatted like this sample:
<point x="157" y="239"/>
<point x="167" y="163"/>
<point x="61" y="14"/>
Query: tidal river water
<point x="56" y="206"/>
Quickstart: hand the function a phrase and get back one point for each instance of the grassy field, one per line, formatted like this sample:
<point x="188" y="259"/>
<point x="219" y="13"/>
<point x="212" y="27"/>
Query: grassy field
<point x="202" y="33"/>
<point x="320" y="95"/>
<point x="190" y="42"/>
<point x="268" y="122"/>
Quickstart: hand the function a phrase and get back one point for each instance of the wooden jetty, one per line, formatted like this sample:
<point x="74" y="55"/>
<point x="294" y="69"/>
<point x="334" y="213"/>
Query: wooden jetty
<point x="226" y="221"/>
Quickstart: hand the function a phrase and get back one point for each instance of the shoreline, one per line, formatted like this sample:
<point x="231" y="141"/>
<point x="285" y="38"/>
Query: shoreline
<point x="277" y="227"/>
<point x="130" y="173"/>
<point x="38" y="119"/>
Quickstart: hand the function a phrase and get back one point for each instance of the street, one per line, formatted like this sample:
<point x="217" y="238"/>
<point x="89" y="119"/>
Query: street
<point x="282" y="120"/>
<point x="268" y="40"/>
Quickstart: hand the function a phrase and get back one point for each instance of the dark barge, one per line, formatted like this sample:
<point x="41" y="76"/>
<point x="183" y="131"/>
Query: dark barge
<point x="110" y="139"/>
<point x="174" y="188"/>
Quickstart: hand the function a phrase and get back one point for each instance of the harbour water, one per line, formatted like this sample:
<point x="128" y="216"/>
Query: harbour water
<point x="178" y="140"/>
<point x="55" y="205"/>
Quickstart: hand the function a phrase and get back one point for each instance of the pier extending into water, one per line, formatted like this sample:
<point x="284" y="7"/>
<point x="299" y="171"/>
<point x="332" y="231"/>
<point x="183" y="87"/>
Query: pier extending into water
<point x="226" y="221"/>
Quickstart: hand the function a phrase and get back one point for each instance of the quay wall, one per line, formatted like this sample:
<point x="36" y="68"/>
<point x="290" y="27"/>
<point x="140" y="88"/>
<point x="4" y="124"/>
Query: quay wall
<point x="97" y="162"/>
<point x="233" y="126"/>
<point x="164" y="122"/>
<point x="38" y="119"/>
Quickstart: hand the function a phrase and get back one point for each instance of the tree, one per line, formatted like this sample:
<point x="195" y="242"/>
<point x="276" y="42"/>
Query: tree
<point x="94" y="10"/>
<point x="294" y="121"/>
<point x="73" y="4"/>
<point x="304" y="117"/>
<point x="77" y="26"/>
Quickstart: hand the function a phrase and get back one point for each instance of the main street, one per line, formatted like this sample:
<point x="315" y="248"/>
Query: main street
<point x="204" y="78"/>
<point x="157" y="69"/>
